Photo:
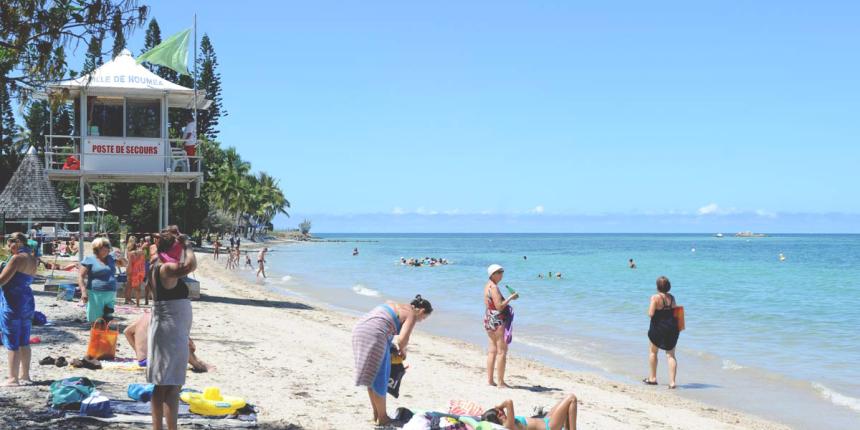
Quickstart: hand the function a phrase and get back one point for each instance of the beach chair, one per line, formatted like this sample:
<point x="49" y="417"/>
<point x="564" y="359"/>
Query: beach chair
<point x="179" y="160"/>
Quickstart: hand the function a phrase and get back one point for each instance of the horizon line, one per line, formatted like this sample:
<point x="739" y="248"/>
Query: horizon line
<point x="712" y="234"/>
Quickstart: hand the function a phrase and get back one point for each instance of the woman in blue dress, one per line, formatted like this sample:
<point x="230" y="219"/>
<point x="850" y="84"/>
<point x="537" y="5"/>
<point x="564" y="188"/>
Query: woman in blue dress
<point x="17" y="306"/>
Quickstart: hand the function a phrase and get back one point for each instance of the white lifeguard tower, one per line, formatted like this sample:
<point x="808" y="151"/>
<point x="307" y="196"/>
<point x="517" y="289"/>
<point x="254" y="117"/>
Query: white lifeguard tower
<point x="122" y="132"/>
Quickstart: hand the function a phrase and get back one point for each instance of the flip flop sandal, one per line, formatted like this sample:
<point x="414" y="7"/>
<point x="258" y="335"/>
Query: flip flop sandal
<point x="92" y="364"/>
<point x="672" y="387"/>
<point x="47" y="361"/>
<point x="61" y="362"/>
<point x="647" y="382"/>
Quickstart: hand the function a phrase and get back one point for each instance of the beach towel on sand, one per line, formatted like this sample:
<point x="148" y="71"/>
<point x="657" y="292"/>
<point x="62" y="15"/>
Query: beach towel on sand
<point x="430" y="420"/>
<point x="465" y="407"/>
<point x="125" y="411"/>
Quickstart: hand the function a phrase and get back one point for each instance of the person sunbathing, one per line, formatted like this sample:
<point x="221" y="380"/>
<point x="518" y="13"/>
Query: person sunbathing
<point x="137" y="336"/>
<point x="55" y="266"/>
<point x="561" y="417"/>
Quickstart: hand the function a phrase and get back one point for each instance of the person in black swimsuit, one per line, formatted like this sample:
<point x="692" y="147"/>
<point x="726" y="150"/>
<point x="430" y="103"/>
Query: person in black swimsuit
<point x="663" y="332"/>
<point x="169" y="329"/>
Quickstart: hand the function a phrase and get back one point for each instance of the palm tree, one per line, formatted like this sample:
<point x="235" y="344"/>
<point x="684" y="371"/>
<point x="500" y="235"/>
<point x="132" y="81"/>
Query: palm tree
<point x="234" y="191"/>
<point x="21" y="139"/>
<point x="230" y="184"/>
<point x="268" y="200"/>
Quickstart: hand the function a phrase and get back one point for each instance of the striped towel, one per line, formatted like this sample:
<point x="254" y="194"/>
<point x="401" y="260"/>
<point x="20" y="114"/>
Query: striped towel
<point x="370" y="340"/>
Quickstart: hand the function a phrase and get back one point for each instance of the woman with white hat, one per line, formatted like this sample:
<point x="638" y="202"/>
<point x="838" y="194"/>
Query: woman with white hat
<point x="497" y="311"/>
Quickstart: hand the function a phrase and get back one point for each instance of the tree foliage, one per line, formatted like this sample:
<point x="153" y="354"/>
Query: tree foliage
<point x="210" y="81"/>
<point x="9" y="158"/>
<point x="119" y="34"/>
<point x="305" y="227"/>
<point x="38" y="125"/>
<point x="35" y="35"/>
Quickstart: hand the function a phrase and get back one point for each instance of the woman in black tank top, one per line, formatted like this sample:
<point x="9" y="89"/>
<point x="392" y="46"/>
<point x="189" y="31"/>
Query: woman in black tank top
<point x="179" y="292"/>
<point x="169" y="329"/>
<point x="663" y="331"/>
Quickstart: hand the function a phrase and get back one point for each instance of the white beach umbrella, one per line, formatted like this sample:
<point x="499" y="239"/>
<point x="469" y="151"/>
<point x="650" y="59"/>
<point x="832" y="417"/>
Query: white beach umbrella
<point x="89" y="207"/>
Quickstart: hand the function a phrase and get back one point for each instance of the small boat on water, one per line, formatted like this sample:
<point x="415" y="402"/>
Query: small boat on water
<point x="719" y="235"/>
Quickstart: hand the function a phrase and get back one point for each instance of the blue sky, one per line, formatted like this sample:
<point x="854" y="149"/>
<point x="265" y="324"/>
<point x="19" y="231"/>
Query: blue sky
<point x="567" y="116"/>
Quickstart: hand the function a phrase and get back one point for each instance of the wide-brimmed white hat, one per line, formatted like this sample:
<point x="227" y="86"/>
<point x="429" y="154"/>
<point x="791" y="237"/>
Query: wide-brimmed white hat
<point x="493" y="269"/>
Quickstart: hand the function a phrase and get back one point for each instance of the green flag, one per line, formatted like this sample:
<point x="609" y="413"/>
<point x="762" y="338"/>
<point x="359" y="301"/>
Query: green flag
<point x="172" y="53"/>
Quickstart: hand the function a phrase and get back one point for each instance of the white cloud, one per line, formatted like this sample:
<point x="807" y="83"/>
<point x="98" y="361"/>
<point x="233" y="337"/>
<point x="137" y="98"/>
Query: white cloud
<point x="398" y="211"/>
<point x="709" y="209"/>
<point x="538" y="209"/>
<point x="765" y="214"/>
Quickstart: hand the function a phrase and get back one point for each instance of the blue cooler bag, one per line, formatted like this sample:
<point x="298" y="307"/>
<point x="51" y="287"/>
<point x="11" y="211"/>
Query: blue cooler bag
<point x="69" y="291"/>
<point x="140" y="392"/>
<point x="96" y="405"/>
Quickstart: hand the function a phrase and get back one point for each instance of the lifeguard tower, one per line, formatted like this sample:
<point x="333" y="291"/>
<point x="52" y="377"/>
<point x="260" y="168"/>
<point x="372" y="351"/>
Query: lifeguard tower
<point x="121" y="110"/>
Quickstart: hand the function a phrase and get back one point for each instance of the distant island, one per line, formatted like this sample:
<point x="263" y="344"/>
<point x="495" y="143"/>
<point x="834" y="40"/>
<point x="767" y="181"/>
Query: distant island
<point x="749" y="234"/>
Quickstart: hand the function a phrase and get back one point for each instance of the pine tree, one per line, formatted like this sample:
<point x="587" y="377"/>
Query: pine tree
<point x="7" y="118"/>
<point x="176" y="119"/>
<point x="151" y="40"/>
<point x="8" y="155"/>
<point x="36" y="119"/>
<point x="62" y="121"/>
<point x="210" y="81"/>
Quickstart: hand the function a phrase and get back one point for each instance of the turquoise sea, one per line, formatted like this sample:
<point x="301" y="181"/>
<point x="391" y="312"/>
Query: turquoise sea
<point x="780" y="339"/>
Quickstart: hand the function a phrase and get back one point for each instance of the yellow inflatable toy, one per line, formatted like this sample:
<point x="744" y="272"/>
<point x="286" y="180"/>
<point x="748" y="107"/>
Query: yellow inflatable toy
<point x="211" y="402"/>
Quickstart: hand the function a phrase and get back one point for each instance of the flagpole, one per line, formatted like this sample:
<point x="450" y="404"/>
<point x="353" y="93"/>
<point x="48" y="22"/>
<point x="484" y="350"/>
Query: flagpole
<point x="197" y="127"/>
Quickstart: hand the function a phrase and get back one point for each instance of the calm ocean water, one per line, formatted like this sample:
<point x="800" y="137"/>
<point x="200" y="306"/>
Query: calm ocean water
<point x="777" y="338"/>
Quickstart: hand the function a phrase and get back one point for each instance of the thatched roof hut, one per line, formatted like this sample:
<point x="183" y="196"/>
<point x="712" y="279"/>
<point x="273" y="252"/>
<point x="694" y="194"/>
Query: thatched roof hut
<point x="29" y="195"/>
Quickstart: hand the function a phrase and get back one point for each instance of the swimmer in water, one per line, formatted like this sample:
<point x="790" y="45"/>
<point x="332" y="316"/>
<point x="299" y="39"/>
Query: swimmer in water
<point x="781" y="257"/>
<point x="631" y="264"/>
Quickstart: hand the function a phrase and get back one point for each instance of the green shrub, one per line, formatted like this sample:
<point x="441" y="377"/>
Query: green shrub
<point x="305" y="226"/>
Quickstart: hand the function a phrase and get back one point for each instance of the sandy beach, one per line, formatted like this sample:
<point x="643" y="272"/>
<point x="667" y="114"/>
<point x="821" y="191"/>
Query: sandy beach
<point x="293" y="359"/>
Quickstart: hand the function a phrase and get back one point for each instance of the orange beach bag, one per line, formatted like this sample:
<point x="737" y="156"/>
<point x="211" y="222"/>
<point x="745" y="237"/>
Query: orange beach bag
<point x="678" y="311"/>
<point x="102" y="340"/>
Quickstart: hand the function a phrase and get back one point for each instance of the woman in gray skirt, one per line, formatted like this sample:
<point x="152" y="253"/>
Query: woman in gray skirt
<point x="169" y="330"/>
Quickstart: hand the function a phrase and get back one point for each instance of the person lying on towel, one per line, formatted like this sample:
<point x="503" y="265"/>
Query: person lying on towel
<point x="137" y="335"/>
<point x="561" y="416"/>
